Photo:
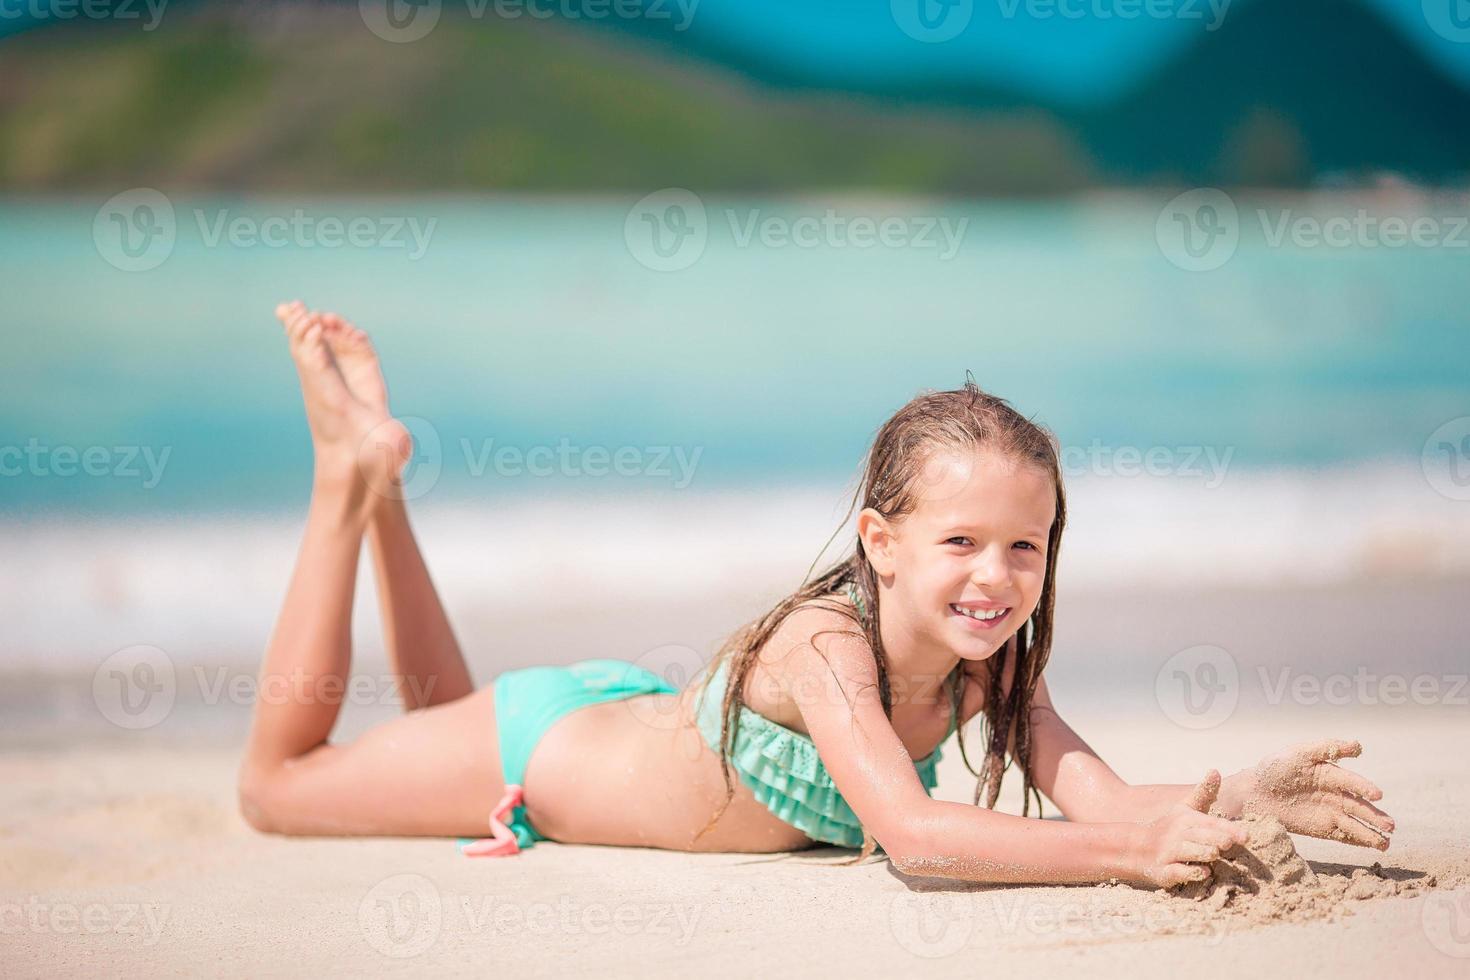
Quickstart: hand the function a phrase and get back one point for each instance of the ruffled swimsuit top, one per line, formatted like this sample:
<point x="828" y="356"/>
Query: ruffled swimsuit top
<point x="784" y="771"/>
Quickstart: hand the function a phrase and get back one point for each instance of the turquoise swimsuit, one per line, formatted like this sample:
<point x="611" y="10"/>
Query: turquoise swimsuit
<point x="781" y="767"/>
<point x="784" y="771"/>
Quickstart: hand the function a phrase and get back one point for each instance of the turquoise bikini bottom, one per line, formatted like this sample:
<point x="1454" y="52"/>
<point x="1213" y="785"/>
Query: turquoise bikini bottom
<point x="530" y="701"/>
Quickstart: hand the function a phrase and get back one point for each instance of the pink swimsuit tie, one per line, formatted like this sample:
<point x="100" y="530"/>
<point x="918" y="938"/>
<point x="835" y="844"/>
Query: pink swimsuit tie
<point x="502" y="840"/>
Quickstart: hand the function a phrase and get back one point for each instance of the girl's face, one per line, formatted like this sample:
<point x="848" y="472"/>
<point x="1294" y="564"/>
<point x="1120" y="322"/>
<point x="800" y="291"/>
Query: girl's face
<point x="967" y="564"/>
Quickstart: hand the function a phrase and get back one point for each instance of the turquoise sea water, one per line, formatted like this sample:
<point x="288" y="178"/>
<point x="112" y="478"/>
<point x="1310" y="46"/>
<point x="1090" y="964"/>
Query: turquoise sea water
<point x="154" y="460"/>
<point x="528" y="324"/>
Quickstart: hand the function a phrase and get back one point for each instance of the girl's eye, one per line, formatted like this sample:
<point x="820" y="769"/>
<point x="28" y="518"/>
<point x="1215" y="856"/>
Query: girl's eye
<point x="958" y="540"/>
<point x="1025" y="544"/>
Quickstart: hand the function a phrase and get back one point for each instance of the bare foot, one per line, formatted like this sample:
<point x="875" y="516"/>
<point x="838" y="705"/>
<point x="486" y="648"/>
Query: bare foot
<point x="357" y="444"/>
<point x="357" y="360"/>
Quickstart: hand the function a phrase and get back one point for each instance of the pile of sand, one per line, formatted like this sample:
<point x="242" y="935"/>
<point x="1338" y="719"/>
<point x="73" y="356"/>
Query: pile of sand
<point x="1266" y="880"/>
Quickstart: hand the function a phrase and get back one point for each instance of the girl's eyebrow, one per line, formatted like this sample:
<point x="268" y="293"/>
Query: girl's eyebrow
<point x="1032" y="530"/>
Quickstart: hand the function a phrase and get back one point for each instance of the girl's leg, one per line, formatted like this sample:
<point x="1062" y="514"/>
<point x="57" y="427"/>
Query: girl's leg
<point x="433" y="772"/>
<point x="421" y="644"/>
<point x="422" y="649"/>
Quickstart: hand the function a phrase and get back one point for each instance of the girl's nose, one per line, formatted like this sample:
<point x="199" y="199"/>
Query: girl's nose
<point x="991" y="570"/>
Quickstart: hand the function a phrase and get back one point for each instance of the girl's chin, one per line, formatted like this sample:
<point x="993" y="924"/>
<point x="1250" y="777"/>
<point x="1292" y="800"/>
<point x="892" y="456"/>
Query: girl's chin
<point x="977" y="650"/>
<point x="971" y="646"/>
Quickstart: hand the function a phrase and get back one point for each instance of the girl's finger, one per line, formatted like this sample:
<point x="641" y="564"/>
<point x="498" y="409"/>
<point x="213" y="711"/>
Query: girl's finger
<point x="1190" y="850"/>
<point x="1332" y="749"/>
<point x="1366" y="835"/>
<point x="1204" y="794"/>
<point x="1232" y="829"/>
<point x="1349" y="831"/>
<point x="1347" y="781"/>
<point x="1221" y="838"/>
<point x="1177" y="874"/>
<point x="1365" y="812"/>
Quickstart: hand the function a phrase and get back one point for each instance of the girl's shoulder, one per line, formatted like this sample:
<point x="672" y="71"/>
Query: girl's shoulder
<point x="817" y="635"/>
<point x="827" y="626"/>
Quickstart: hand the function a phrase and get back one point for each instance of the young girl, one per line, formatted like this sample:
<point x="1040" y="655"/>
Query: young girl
<point x="819" y="722"/>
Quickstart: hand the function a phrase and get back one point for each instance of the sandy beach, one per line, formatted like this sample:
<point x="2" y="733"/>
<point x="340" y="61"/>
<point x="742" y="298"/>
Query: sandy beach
<point x="122" y="852"/>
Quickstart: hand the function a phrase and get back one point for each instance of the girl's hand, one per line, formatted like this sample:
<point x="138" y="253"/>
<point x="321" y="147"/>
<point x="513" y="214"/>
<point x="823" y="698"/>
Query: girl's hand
<point x="1177" y="847"/>
<point x="1310" y="794"/>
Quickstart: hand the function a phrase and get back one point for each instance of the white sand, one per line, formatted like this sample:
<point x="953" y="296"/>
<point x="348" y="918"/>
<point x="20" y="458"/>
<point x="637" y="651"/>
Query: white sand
<point x="128" y="857"/>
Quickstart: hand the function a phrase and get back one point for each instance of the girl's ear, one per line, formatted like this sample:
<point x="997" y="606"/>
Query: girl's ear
<point x="876" y="535"/>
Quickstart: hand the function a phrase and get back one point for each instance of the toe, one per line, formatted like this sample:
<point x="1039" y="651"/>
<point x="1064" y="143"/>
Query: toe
<point x="305" y="331"/>
<point x="338" y="331"/>
<point x="343" y="330"/>
<point x="286" y="312"/>
<point x="297" y="324"/>
<point x="347" y="337"/>
<point x="312" y="344"/>
<point x="359" y="339"/>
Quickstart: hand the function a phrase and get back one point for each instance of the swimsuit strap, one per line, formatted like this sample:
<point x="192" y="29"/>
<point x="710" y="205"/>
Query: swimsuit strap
<point x="857" y="601"/>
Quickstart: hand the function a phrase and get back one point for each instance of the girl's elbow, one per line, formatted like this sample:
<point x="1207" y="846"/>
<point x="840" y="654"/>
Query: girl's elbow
<point x="909" y="842"/>
<point x="918" y="860"/>
<point x="904" y="862"/>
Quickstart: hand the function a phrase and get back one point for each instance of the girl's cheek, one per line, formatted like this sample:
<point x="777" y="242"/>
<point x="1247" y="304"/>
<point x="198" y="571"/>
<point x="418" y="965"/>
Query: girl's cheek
<point x="1031" y="589"/>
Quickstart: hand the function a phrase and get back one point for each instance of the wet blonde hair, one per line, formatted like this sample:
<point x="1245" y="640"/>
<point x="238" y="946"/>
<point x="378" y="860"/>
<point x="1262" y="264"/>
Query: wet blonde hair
<point x="964" y="420"/>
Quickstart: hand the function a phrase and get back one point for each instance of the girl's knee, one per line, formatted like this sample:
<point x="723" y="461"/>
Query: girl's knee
<point x="258" y="791"/>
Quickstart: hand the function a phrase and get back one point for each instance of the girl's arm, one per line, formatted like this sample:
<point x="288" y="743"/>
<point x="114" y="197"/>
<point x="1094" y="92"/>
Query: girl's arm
<point x="1085" y="788"/>
<point x="835" y="685"/>
<point x="1302" y="786"/>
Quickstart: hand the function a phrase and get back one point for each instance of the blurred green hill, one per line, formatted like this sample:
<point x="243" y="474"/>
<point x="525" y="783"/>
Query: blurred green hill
<point x="309" y="99"/>
<point x="226" y="96"/>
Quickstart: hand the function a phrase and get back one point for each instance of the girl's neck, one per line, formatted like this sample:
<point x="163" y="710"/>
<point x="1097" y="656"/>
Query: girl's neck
<point x="917" y="666"/>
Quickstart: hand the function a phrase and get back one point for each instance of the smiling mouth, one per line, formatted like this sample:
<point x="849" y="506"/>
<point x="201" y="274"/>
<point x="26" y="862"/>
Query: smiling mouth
<point x="981" y="617"/>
